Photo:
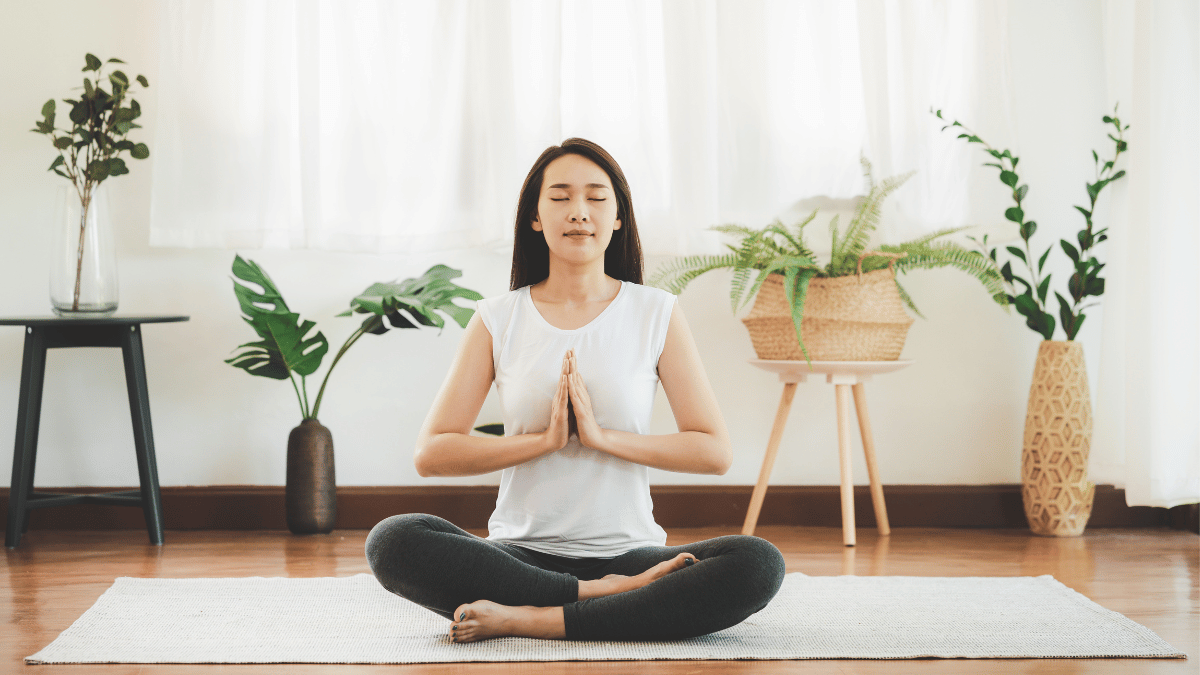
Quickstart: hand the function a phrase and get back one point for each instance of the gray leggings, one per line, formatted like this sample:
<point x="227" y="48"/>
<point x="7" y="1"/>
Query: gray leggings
<point x="439" y="566"/>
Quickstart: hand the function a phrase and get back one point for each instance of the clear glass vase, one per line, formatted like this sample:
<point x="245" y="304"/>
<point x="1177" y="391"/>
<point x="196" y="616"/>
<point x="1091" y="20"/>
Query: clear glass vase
<point x="83" y="263"/>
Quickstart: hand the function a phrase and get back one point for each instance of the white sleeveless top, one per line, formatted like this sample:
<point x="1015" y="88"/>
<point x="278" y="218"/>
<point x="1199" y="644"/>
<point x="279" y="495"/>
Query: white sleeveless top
<point x="577" y="502"/>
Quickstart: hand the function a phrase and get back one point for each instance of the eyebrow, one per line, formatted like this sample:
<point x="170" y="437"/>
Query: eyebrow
<point x="589" y="185"/>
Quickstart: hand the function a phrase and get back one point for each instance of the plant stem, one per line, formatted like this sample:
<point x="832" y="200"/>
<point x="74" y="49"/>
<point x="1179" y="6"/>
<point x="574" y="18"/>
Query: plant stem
<point x="303" y="409"/>
<point x="304" y="387"/>
<point x="349" y="341"/>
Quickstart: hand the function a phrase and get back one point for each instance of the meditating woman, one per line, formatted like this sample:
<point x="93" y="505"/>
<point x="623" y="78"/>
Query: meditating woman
<point x="576" y="349"/>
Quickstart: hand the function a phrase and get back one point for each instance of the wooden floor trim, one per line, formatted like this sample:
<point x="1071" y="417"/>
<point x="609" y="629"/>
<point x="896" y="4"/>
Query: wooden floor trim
<point x="250" y="507"/>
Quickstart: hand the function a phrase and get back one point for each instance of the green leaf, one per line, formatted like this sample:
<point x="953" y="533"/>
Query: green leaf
<point x="1017" y="252"/>
<point x="123" y="127"/>
<point x="79" y="112"/>
<point x="492" y="429"/>
<point x="1014" y="214"/>
<point x="97" y="170"/>
<point x="123" y="115"/>
<point x="1086" y="214"/>
<point x="58" y="161"/>
<point x="116" y="167"/>
<point x="1021" y="192"/>
<point x="1070" y="250"/>
<point x="1042" y="288"/>
<point x="1027" y="229"/>
<point x="88" y="91"/>
<point x="1095" y="157"/>
<point x="135" y="107"/>
<point x="1006" y="271"/>
<point x="1008" y="178"/>
<point x="139" y="151"/>
<point x="1042" y="260"/>
<point x="143" y="81"/>
<point x="420" y="298"/>
<point x="62" y="142"/>
<point x="48" y="110"/>
<point x="118" y="78"/>
<point x="1026" y="306"/>
<point x="1107" y="119"/>
<point x="91" y="63"/>
<point x="256" y="304"/>
<point x="1066" y="316"/>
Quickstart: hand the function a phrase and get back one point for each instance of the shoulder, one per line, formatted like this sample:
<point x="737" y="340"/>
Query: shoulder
<point x="495" y="311"/>
<point x="648" y="296"/>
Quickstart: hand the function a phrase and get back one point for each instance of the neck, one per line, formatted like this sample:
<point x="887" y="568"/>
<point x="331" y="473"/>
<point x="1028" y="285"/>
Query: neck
<point x="572" y="282"/>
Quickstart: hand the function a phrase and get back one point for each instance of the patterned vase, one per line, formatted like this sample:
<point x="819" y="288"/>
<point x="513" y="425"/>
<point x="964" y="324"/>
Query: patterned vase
<point x="1058" y="435"/>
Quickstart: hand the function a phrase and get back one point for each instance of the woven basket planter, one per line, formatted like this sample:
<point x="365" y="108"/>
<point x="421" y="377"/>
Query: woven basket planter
<point x="847" y="318"/>
<point x="1058" y="436"/>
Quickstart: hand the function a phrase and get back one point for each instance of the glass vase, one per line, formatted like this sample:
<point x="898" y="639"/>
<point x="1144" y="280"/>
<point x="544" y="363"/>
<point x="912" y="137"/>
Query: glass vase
<point x="83" y="264"/>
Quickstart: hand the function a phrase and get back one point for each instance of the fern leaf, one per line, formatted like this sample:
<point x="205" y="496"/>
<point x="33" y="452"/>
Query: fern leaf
<point x="908" y="300"/>
<point x="675" y="275"/>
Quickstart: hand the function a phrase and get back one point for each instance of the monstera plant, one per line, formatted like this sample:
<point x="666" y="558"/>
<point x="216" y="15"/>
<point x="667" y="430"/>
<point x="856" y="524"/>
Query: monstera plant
<point x="288" y="347"/>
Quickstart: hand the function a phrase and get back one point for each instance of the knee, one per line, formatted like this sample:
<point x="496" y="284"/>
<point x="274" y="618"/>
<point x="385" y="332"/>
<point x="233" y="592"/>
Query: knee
<point x="391" y="537"/>
<point x="764" y="565"/>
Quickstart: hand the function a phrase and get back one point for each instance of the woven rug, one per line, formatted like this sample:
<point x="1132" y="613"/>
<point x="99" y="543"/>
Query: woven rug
<point x="353" y="620"/>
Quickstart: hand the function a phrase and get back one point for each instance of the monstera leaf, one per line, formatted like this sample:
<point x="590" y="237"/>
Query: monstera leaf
<point x="413" y="302"/>
<point x="283" y="347"/>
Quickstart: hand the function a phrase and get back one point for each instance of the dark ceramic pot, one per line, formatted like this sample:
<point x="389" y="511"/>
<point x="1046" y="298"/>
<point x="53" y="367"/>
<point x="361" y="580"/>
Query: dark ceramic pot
<point x="311" y="493"/>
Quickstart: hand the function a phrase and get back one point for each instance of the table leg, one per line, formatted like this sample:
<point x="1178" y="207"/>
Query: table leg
<point x="864" y="427"/>
<point x="843" y="422"/>
<point x="143" y="435"/>
<point x="760" y="488"/>
<point x="29" y="412"/>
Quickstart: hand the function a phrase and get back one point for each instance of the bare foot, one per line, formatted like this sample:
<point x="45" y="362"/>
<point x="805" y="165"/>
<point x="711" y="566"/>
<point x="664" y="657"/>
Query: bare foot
<point x="485" y="619"/>
<point x="619" y="583"/>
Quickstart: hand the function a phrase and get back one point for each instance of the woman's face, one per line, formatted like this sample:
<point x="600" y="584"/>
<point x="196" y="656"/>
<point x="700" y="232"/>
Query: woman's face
<point x="577" y="209"/>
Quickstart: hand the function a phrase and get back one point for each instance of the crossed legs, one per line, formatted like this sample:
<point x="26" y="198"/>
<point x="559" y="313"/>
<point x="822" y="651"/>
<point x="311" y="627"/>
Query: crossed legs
<point x="490" y="589"/>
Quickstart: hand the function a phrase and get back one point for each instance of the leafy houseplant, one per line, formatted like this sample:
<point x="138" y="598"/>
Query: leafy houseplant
<point x="1055" y="491"/>
<point x="779" y="250"/>
<point x="1086" y="279"/>
<point x="89" y="149"/>
<point x="286" y="347"/>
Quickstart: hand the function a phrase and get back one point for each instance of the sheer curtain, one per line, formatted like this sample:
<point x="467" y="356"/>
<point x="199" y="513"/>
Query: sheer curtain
<point x="380" y="126"/>
<point x="1147" y="428"/>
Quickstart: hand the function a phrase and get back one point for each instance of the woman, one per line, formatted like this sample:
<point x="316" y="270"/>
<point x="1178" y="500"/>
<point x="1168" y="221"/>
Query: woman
<point x="576" y="349"/>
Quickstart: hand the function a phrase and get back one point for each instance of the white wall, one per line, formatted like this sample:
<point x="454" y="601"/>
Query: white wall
<point x="955" y="417"/>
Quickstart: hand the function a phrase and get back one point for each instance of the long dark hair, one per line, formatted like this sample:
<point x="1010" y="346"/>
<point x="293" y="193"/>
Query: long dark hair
<point x="531" y="256"/>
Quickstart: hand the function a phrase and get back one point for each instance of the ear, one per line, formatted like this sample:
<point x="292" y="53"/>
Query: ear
<point x="617" y="224"/>
<point x="537" y="226"/>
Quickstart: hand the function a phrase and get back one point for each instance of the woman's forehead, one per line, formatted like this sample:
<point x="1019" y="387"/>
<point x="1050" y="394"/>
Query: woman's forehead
<point x="575" y="171"/>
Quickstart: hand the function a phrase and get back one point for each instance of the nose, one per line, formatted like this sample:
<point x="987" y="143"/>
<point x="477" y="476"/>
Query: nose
<point x="578" y="212"/>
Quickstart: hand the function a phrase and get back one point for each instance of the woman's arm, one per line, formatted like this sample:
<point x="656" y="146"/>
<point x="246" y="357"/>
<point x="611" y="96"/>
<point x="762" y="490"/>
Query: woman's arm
<point x="445" y="446"/>
<point x="702" y="444"/>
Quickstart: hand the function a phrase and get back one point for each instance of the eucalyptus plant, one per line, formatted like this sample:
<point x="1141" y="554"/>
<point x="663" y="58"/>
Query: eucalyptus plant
<point x="89" y="149"/>
<point x="1086" y="280"/>
<point x="286" y="347"/>
<point x="778" y="249"/>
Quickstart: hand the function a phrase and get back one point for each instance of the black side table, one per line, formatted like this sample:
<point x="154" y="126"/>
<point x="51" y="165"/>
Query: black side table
<point x="45" y="332"/>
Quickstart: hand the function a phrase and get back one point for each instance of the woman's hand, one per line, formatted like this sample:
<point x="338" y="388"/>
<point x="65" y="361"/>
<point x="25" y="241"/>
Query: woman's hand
<point x="559" y="430"/>
<point x="590" y="433"/>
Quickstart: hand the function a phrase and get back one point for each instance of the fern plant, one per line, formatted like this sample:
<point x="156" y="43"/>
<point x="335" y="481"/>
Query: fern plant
<point x="779" y="249"/>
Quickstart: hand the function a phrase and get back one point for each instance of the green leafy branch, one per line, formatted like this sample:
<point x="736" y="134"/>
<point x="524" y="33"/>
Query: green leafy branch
<point x="1085" y="280"/>
<point x="89" y="149"/>
<point x="286" y="348"/>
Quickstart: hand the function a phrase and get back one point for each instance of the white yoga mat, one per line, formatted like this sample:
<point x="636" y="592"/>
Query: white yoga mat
<point x="353" y="620"/>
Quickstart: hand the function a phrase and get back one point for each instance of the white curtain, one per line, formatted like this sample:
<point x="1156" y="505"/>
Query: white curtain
<point x="1147" y="421"/>
<point x="381" y="126"/>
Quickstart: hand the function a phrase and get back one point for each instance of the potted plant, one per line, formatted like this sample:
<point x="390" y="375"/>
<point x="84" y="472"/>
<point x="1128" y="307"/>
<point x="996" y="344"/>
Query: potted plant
<point x="287" y="348"/>
<point x="850" y="309"/>
<point x="89" y="152"/>
<point x="1058" y="419"/>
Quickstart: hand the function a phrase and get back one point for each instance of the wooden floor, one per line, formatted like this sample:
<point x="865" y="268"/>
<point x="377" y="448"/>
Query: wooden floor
<point x="1151" y="576"/>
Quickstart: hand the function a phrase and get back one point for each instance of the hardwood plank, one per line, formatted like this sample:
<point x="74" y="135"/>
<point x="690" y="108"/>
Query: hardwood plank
<point x="1150" y="575"/>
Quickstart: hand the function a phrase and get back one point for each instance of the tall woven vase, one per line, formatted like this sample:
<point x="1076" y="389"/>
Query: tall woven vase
<point x="847" y="318"/>
<point x="1058" y="435"/>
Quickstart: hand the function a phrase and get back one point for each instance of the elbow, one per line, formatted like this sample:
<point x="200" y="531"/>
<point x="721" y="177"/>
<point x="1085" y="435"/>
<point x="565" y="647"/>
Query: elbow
<point x="724" y="458"/>
<point x="422" y="461"/>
